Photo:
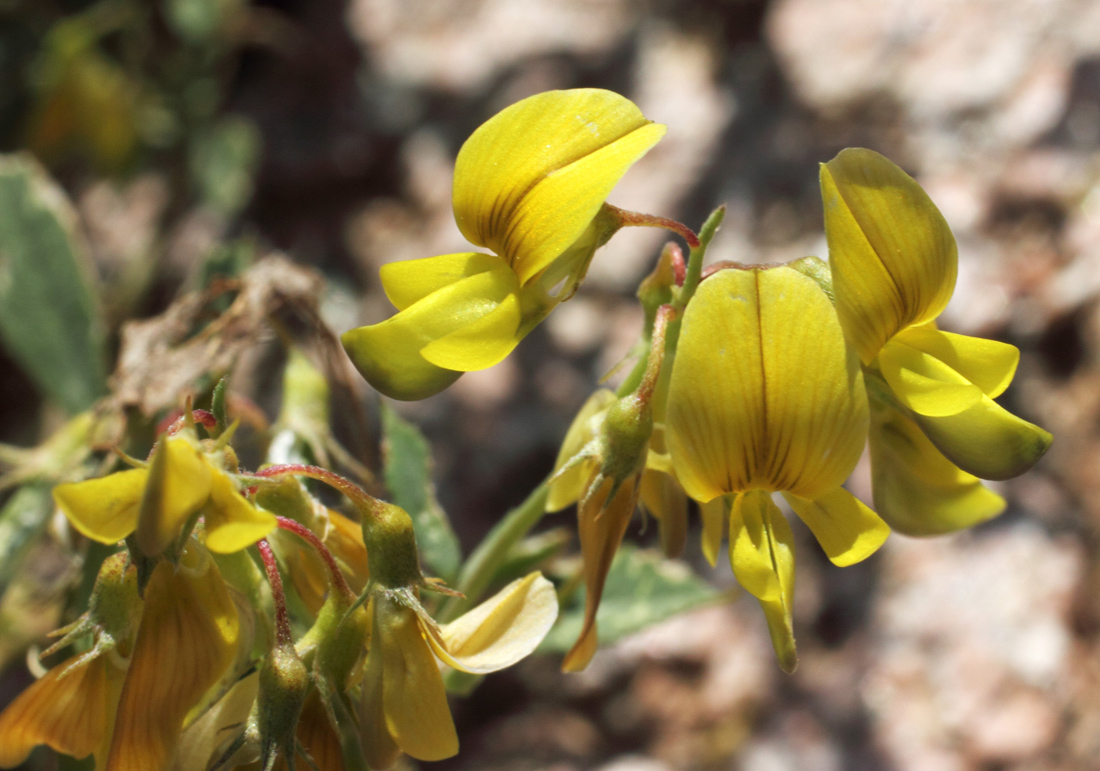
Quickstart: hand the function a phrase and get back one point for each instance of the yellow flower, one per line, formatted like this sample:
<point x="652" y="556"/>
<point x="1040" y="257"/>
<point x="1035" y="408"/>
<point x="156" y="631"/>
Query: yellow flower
<point x="766" y="396"/>
<point x="529" y="185"/>
<point x="403" y="706"/>
<point x="894" y="264"/>
<point x="182" y="480"/>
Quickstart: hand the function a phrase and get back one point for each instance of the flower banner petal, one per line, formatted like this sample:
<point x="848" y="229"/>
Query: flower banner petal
<point x="925" y="384"/>
<point x="893" y="257"/>
<point x="917" y="490"/>
<point x="846" y="528"/>
<point x="530" y="180"/>
<point x="762" y="557"/>
<point x="500" y="631"/>
<point x="987" y="440"/>
<point x="409" y="281"/>
<point x="105" y="509"/>
<point x="178" y="485"/>
<point x="988" y="364"/>
<point x="232" y="523"/>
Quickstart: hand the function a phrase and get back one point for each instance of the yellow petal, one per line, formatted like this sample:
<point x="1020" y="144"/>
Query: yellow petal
<point x="413" y="697"/>
<point x="389" y="354"/>
<point x="187" y="640"/>
<point x="602" y="524"/>
<point x="409" y="281"/>
<point x="530" y="180"/>
<point x="105" y="509"/>
<point x="762" y="557"/>
<point x="986" y="440"/>
<point x="209" y="736"/>
<point x="893" y="257"/>
<point x="481" y="343"/>
<point x="317" y="735"/>
<point x="568" y="487"/>
<point x="67" y="712"/>
<point x="764" y="392"/>
<point x="917" y="490"/>
<point x="344" y="538"/>
<point x="178" y="485"/>
<point x="500" y="631"/>
<point x="661" y="495"/>
<point x="923" y="383"/>
<point x="847" y="530"/>
<point x="716" y="514"/>
<point x="988" y="364"/>
<point x="379" y="747"/>
<point x="232" y="523"/>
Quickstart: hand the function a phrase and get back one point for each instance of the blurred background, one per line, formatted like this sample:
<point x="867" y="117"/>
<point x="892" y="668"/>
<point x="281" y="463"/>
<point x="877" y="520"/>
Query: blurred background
<point x="195" y="135"/>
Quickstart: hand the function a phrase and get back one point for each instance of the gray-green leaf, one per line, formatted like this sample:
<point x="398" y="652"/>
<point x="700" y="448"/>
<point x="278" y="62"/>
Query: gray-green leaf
<point x="50" y="321"/>
<point x="407" y="464"/>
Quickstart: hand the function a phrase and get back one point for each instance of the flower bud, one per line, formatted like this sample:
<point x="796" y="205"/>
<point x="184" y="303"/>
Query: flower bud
<point x="391" y="547"/>
<point x="284" y="685"/>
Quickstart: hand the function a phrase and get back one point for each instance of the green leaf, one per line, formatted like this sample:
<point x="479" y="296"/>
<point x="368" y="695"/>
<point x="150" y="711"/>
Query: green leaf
<point x="22" y="520"/>
<point x="50" y="322"/>
<point x="407" y="465"/>
<point x="643" y="588"/>
<point x="224" y="161"/>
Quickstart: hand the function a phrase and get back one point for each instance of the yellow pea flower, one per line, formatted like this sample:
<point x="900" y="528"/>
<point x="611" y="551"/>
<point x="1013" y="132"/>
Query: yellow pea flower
<point x="529" y="185"/>
<point x="894" y="264"/>
<point x="766" y="396"/>
<point x="403" y="704"/>
<point x="184" y="478"/>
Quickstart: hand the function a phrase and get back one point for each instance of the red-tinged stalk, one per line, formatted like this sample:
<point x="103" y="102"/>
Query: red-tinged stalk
<point x="635" y="219"/>
<point x="665" y="314"/>
<point x="176" y="423"/>
<point x="283" y="635"/>
<point x="365" y="503"/>
<point x="303" y="532"/>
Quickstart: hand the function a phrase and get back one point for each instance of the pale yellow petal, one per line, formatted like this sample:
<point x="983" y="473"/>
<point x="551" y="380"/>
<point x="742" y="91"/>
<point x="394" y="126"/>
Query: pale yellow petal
<point x="105" y="509"/>
<point x="177" y="486"/>
<point x="189" y="627"/>
<point x="917" y="490"/>
<point x="408" y="281"/>
<point x="764" y="392"/>
<point x="379" y="747"/>
<point x="232" y="523"/>
<point x="569" y="486"/>
<point x="847" y="530"/>
<point x="500" y="631"/>
<point x="530" y="180"/>
<point x="661" y="495"/>
<point x="988" y="364"/>
<point x="480" y="344"/>
<point x="413" y="697"/>
<point x="716" y="515"/>
<point x="893" y="257"/>
<point x="923" y="383"/>
<point x="762" y="557"/>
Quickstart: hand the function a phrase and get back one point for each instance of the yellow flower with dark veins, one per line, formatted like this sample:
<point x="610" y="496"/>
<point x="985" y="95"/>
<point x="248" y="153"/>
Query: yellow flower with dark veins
<point x="185" y="478"/>
<point x="935" y="428"/>
<point x="766" y="396"/>
<point x="530" y="186"/>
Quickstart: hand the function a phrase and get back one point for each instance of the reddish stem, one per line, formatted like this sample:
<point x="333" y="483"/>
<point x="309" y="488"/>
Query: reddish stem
<point x="366" y="504"/>
<point x="679" y="267"/>
<point x="172" y="424"/>
<point x="665" y="314"/>
<point x="303" y="532"/>
<point x="637" y="219"/>
<point x="282" y="618"/>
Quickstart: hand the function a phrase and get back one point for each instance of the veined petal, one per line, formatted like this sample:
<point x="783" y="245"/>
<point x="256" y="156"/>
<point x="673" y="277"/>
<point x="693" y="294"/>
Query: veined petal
<point x="847" y="530"/>
<point x="389" y="354"/>
<point x="500" y="631"/>
<point x="893" y="257"/>
<point x="988" y="364"/>
<point x="923" y="383"/>
<point x="917" y="490"/>
<point x="602" y="524"/>
<point x="177" y="486"/>
<point x="481" y="343"/>
<point x="317" y="735"/>
<point x="762" y="557"/>
<point x="569" y="486"/>
<point x="209" y="736"/>
<point x="232" y="523"/>
<point x="413" y="697"/>
<point x="987" y="440"/>
<point x="187" y="639"/>
<point x="409" y="281"/>
<point x="661" y="495"/>
<point x="716" y="517"/>
<point x="67" y="709"/>
<point x="765" y="392"/>
<point x="379" y="747"/>
<point x="530" y="180"/>
<point x="344" y="539"/>
<point x="105" y="509"/>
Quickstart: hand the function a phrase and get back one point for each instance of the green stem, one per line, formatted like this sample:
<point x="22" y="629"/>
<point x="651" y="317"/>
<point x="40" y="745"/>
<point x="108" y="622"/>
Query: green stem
<point x="483" y="564"/>
<point x="694" y="273"/>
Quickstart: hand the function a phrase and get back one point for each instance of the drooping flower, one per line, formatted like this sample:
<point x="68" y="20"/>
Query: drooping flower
<point x="530" y="186"/>
<point x="894" y="264"/>
<point x="766" y="396"/>
<point x="184" y="478"/>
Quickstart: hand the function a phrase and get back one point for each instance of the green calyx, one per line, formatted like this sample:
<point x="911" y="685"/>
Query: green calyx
<point x="284" y="685"/>
<point x="391" y="547"/>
